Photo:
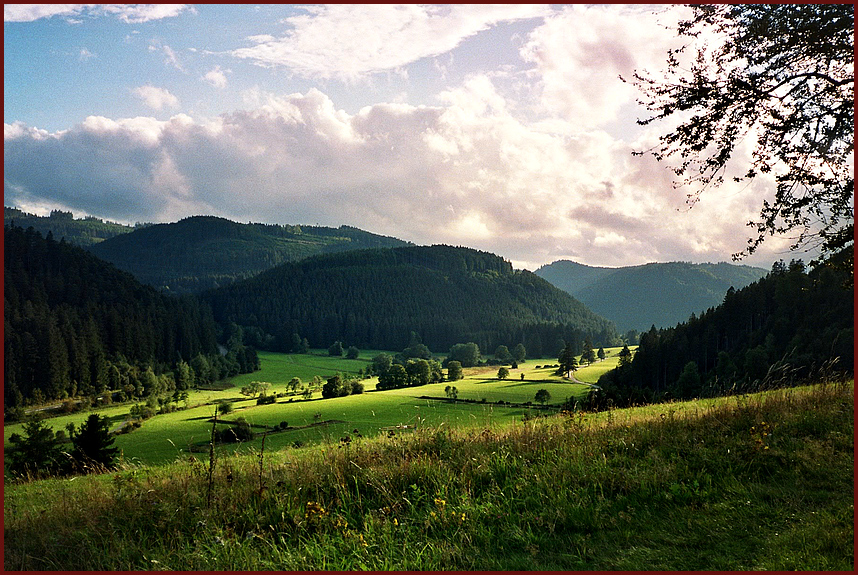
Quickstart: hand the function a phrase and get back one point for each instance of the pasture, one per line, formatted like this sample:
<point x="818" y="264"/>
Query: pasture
<point x="166" y="437"/>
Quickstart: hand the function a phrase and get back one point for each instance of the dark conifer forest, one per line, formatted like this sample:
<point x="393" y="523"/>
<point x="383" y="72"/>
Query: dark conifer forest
<point x="77" y="326"/>
<point x="376" y="298"/>
<point x="204" y="252"/>
<point x="791" y="326"/>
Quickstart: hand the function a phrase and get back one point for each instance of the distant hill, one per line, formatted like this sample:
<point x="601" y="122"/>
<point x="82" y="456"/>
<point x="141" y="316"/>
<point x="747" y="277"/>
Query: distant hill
<point x="660" y="294"/>
<point x="82" y="232"/>
<point x="204" y="252"/>
<point x="376" y="298"/>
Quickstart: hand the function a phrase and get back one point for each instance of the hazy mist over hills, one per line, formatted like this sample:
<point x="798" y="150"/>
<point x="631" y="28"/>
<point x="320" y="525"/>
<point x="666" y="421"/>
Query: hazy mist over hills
<point x="660" y="294"/>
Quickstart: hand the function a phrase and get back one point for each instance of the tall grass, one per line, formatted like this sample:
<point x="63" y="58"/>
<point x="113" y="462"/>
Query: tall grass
<point x="754" y="482"/>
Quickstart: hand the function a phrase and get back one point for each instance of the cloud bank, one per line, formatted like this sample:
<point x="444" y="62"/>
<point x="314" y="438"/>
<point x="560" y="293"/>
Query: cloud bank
<point x="466" y="173"/>
<point x="527" y="164"/>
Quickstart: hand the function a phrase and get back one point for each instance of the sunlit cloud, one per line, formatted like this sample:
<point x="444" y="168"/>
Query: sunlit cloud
<point x="348" y="41"/>
<point x="156" y="98"/>
<point x="129" y="13"/>
<point x="465" y="173"/>
<point x="216" y="77"/>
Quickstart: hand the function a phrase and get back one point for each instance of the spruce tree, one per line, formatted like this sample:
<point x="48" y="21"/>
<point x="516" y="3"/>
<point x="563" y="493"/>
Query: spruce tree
<point x="93" y="444"/>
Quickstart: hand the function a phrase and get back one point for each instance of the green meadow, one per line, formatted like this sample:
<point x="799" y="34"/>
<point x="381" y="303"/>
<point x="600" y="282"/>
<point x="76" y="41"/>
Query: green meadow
<point x="166" y="437"/>
<point x="744" y="483"/>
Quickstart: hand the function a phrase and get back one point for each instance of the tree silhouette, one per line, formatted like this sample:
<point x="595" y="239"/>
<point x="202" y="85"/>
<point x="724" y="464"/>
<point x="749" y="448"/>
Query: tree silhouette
<point x="782" y="77"/>
<point x="93" y="444"/>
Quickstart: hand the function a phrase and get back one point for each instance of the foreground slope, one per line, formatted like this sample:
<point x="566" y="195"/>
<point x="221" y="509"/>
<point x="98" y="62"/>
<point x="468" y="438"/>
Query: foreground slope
<point x="376" y="298"/>
<point x="660" y="294"/>
<point x="203" y="252"/>
<point x="761" y="482"/>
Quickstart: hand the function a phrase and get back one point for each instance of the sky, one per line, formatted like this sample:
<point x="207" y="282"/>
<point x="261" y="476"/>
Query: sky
<point x="504" y="128"/>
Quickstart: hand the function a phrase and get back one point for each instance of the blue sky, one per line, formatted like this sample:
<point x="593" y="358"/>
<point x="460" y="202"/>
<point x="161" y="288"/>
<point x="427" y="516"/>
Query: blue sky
<point x="503" y="128"/>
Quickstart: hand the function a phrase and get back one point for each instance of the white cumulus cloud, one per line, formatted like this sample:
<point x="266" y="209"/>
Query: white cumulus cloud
<point x="156" y="98"/>
<point x="216" y="77"/>
<point x="467" y="172"/>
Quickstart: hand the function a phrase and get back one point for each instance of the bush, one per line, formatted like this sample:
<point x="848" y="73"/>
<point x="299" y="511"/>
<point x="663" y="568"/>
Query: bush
<point x="357" y="387"/>
<point x="266" y="400"/>
<point x="240" y="431"/>
<point x="225" y="407"/>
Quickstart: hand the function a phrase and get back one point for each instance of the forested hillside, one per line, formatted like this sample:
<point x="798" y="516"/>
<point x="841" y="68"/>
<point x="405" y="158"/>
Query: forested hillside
<point x="204" y="252"/>
<point x="659" y="294"/>
<point x="77" y="326"/>
<point x="778" y="330"/>
<point x="84" y="232"/>
<point x="376" y="298"/>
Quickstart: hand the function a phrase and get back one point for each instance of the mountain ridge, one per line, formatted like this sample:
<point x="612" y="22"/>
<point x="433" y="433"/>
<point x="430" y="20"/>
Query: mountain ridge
<point x="656" y="293"/>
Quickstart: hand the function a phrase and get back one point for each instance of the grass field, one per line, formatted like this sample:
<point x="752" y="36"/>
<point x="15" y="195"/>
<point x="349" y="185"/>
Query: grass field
<point x="163" y="438"/>
<point x="751" y="482"/>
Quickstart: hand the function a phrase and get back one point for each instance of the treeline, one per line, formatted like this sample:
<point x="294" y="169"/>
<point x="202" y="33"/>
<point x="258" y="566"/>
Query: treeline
<point x="374" y="299"/>
<point x="81" y="232"/>
<point x="76" y="326"/>
<point x="205" y="252"/>
<point x="780" y="330"/>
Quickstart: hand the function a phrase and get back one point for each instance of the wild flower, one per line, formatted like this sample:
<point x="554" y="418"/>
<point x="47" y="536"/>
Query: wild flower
<point x="314" y="510"/>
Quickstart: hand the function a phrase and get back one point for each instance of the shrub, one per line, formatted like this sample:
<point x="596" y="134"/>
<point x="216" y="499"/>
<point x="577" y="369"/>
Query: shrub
<point x="266" y="400"/>
<point x="240" y="431"/>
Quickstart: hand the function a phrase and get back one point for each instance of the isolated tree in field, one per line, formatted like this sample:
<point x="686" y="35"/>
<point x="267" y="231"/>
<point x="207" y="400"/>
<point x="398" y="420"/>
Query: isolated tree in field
<point x="601" y="353"/>
<point x="451" y="392"/>
<point x="567" y="360"/>
<point x="588" y="354"/>
<point x="336" y="349"/>
<point x="294" y="384"/>
<point x="502" y="353"/>
<point x="393" y="378"/>
<point x="352" y="352"/>
<point x="519" y="353"/>
<point x="777" y="76"/>
<point x="336" y="387"/>
<point x="381" y="363"/>
<point x="466" y="353"/>
<point x="418" y="370"/>
<point x="542" y="396"/>
<point x="416" y="351"/>
<point x="454" y="370"/>
<point x="503" y="373"/>
<point x="255" y="388"/>
<point x="36" y="452"/>
<point x="93" y="444"/>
